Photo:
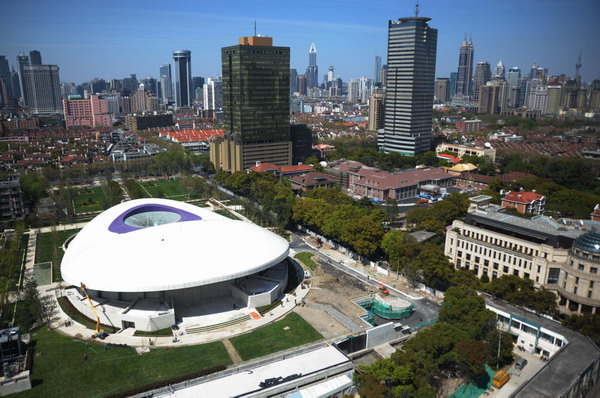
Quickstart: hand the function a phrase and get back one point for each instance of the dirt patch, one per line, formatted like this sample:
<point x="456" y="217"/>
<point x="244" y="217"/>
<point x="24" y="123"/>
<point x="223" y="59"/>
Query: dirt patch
<point x="322" y="322"/>
<point x="335" y="288"/>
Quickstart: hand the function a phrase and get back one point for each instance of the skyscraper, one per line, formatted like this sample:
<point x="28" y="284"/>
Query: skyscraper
<point x="483" y="74"/>
<point x="453" y="76"/>
<point x="514" y="74"/>
<point x="22" y="60"/>
<point x="293" y="81"/>
<point x="197" y="87"/>
<point x="464" y="86"/>
<point x="5" y="75"/>
<point x="376" y="109"/>
<point x="412" y="45"/>
<point x="377" y="75"/>
<point x="35" y="57"/>
<point x="499" y="70"/>
<point x="213" y="97"/>
<point x="256" y="105"/>
<point x="166" y="83"/>
<point x="442" y="90"/>
<point x="312" y="72"/>
<point x="183" y="78"/>
<point x="41" y="85"/>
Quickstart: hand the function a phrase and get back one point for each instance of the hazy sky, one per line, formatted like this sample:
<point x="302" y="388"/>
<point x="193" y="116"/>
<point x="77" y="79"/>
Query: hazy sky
<point x="111" y="39"/>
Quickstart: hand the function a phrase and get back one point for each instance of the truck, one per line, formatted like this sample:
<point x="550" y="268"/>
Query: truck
<point x="500" y="379"/>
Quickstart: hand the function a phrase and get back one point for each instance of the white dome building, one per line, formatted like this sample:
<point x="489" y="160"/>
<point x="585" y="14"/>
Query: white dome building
<point x="149" y="263"/>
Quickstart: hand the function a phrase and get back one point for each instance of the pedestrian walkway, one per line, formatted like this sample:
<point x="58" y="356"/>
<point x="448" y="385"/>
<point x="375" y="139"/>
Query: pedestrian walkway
<point x="30" y="255"/>
<point x="235" y="357"/>
<point x="341" y="318"/>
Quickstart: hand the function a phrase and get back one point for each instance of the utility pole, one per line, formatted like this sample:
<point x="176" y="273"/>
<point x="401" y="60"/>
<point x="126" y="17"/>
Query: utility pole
<point x="499" y="342"/>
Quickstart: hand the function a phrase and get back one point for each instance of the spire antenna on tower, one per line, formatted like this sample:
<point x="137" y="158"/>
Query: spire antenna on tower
<point x="255" y="28"/>
<point x="417" y="9"/>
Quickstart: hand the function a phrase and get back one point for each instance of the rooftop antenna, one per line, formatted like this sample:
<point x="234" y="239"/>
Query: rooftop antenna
<point x="255" y="28"/>
<point x="417" y="9"/>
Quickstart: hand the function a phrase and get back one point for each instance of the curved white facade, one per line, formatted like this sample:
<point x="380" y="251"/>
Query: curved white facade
<point x="171" y="256"/>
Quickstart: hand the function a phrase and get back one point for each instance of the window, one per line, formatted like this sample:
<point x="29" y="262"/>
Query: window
<point x="529" y="330"/>
<point x="468" y="256"/>
<point x="575" y="290"/>
<point x="494" y="275"/>
<point x="486" y="262"/>
<point x="459" y="253"/>
<point x="516" y="272"/>
<point x="593" y="270"/>
<point x="516" y="324"/>
<point x="577" y="280"/>
<point x="591" y="284"/>
<point x="477" y="260"/>
<point x="590" y="294"/>
<point x="553" y="274"/>
<point x="581" y="267"/>
<point x="505" y="269"/>
<point x="458" y="262"/>
<point x="496" y="265"/>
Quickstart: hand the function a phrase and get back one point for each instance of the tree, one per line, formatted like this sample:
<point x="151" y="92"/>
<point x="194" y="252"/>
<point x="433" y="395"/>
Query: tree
<point x="522" y="292"/>
<point x="473" y="357"/>
<point x="587" y="324"/>
<point x="464" y="307"/>
<point x="392" y="246"/>
<point x="47" y="309"/>
<point x="391" y="208"/>
<point x="29" y="307"/>
<point x="506" y="347"/>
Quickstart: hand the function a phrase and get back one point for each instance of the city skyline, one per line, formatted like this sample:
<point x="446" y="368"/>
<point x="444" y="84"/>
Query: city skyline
<point x="114" y="47"/>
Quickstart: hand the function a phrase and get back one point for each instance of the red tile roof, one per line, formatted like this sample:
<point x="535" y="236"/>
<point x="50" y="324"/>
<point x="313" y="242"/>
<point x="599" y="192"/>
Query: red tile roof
<point x="522" y="197"/>
<point x="296" y="168"/>
<point x="265" y="167"/>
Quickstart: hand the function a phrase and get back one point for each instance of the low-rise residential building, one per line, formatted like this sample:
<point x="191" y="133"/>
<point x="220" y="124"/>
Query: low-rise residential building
<point x="308" y="181"/>
<point x="560" y="255"/>
<point x="86" y="112"/>
<point x="143" y="122"/>
<point x="466" y="126"/>
<point x="282" y="171"/>
<point x="462" y="150"/>
<point x="361" y="180"/>
<point x="525" y="202"/>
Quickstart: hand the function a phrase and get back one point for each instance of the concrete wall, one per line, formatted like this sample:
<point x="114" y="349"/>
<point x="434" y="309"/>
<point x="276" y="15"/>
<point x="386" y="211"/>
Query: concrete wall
<point x="17" y="383"/>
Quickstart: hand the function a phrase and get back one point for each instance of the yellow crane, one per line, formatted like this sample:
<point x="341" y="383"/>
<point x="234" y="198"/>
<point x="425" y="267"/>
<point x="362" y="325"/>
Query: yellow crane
<point x="100" y="333"/>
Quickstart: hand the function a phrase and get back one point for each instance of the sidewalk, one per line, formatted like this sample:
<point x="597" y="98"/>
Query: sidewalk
<point x="393" y="280"/>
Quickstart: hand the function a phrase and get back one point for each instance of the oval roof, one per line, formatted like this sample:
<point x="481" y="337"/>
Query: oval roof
<point x="148" y="245"/>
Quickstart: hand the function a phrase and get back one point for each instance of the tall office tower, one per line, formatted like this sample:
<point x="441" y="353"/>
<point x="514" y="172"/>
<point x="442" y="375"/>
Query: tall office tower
<point x="594" y="104"/>
<point x="464" y="85"/>
<point x="453" y="77"/>
<point x="533" y="70"/>
<point x="514" y="74"/>
<point x="293" y="81"/>
<point x="5" y="75"/>
<point x="483" y="74"/>
<point x="35" y="57"/>
<point x="312" y="72"/>
<point x="384" y="73"/>
<point x="353" y="91"/>
<point x="197" y="83"/>
<point x="15" y="83"/>
<point x="412" y="45"/>
<point x="183" y="78"/>
<point x="499" y="70"/>
<point x="330" y="73"/>
<point x="569" y="94"/>
<point x="523" y="91"/>
<point x="302" y="84"/>
<point x="493" y="97"/>
<point x="538" y="99"/>
<point x="376" y="109"/>
<point x="3" y="93"/>
<point x="41" y="85"/>
<point x="377" y="75"/>
<point x="213" y="97"/>
<point x="554" y="94"/>
<point x="151" y="85"/>
<point x="442" y="90"/>
<point x="531" y="85"/>
<point x="256" y="106"/>
<point x="115" y="84"/>
<point x="365" y="86"/>
<point x="22" y="60"/>
<point x="130" y="84"/>
<point x="166" y="84"/>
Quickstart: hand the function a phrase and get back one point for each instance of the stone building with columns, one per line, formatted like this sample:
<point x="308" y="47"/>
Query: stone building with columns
<point x="561" y="255"/>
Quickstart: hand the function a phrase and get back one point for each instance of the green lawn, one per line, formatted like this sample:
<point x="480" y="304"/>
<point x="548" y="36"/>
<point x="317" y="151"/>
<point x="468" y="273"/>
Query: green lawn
<point x="170" y="189"/>
<point x="59" y="368"/>
<point x="306" y="259"/>
<point x="47" y="243"/>
<point x="289" y="332"/>
<point x="88" y="199"/>
<point x="226" y="213"/>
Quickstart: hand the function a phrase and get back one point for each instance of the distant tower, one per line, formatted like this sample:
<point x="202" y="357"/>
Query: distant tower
<point x="312" y="72"/>
<point x="578" y="67"/>
<point x="166" y="84"/>
<point x="183" y="78"/>
<point x="483" y="74"/>
<point x="499" y="71"/>
<point x="377" y="75"/>
<point x="464" y="84"/>
<point x="412" y="46"/>
<point x="330" y="73"/>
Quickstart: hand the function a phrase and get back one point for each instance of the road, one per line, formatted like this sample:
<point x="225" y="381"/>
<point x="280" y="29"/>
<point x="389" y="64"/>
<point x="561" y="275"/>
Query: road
<point x="425" y="309"/>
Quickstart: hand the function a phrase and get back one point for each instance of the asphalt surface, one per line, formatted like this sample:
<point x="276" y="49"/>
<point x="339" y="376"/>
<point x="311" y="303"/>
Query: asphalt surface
<point x="425" y="309"/>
